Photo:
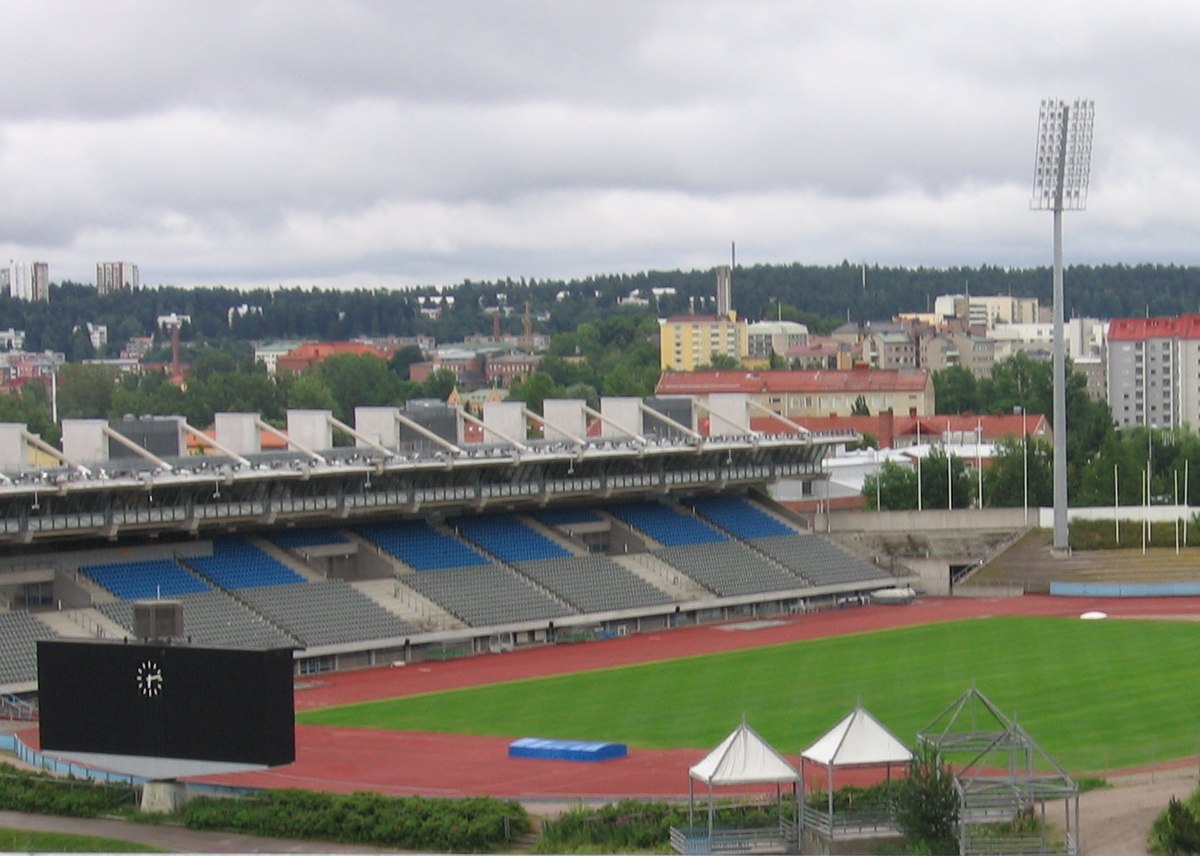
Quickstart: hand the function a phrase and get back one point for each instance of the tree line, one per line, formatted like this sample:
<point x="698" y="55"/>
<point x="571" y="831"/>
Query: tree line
<point x="821" y="296"/>
<point x="1104" y="466"/>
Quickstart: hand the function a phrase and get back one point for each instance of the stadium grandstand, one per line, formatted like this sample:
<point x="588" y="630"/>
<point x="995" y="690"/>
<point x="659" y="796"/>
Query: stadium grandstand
<point x="418" y="532"/>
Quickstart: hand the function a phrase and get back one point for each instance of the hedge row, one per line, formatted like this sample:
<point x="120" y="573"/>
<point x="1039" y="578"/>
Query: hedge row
<point x="470" y="825"/>
<point x="39" y="793"/>
<point x="631" y="826"/>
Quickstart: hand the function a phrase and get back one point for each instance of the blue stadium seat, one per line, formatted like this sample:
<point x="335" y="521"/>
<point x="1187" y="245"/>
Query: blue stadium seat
<point x="665" y="525"/>
<point x="144" y="580"/>
<point x="508" y="539"/>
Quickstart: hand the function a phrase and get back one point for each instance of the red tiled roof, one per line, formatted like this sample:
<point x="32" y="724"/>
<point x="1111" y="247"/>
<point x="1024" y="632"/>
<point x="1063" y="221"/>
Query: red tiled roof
<point x="1141" y="329"/>
<point x="785" y="381"/>
<point x="312" y="350"/>
<point x="994" y="427"/>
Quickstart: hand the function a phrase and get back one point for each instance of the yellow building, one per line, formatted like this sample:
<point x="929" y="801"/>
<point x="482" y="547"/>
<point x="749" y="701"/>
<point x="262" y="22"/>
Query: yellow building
<point x="687" y="342"/>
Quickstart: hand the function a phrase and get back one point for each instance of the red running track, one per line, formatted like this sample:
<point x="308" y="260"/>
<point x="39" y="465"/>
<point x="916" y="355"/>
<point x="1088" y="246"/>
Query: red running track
<point x="351" y="759"/>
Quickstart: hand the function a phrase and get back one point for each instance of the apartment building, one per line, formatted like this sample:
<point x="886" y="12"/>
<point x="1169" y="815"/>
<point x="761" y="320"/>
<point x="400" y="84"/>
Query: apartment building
<point x="1153" y="371"/>
<point x="27" y="280"/>
<point x="687" y="342"/>
<point x="774" y="337"/>
<point x="112" y="277"/>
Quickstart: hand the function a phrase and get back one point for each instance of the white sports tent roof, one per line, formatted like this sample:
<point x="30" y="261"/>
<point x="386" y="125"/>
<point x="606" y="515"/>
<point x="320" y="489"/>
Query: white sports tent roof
<point x="743" y="758"/>
<point x="858" y="740"/>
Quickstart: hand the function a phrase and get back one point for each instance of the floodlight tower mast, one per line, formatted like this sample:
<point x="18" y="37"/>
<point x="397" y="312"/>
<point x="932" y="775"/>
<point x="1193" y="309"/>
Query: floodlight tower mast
<point x="1060" y="183"/>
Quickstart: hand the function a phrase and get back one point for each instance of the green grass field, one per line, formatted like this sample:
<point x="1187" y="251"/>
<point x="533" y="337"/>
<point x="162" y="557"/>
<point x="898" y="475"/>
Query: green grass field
<point x="1096" y="695"/>
<point x="27" y="841"/>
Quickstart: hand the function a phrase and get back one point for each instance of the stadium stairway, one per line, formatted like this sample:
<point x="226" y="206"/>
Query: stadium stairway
<point x="675" y="583"/>
<point x="407" y="604"/>
<point x="288" y="558"/>
<point x="81" y="624"/>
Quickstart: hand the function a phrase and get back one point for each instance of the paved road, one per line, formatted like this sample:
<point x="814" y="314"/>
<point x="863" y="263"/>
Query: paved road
<point x="173" y="838"/>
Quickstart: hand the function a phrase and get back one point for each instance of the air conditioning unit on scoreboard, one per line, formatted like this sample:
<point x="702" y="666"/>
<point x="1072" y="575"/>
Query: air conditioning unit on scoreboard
<point x="157" y="619"/>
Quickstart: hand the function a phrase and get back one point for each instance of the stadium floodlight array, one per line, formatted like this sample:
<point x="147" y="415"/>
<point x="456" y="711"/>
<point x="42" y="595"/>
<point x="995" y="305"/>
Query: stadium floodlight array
<point x="1062" y="165"/>
<point x="1060" y="183"/>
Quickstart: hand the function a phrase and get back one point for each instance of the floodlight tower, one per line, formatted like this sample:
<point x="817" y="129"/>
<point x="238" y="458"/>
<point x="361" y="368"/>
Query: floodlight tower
<point x="1060" y="183"/>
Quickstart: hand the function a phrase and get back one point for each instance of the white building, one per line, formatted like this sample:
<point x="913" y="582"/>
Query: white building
<point x="116" y="276"/>
<point x="1084" y="338"/>
<point x="269" y="354"/>
<point x="1154" y="371"/>
<point x="988" y="311"/>
<point x="766" y="337"/>
<point x="29" y="280"/>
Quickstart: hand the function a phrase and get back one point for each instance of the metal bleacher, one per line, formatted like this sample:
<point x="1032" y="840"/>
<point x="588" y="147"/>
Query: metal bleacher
<point x="148" y="579"/>
<point x="19" y="632"/>
<point x="483" y="595"/>
<point x="818" y="559"/>
<point x="330" y="612"/>
<point x="593" y="583"/>
<point x="730" y="568"/>
<point x="212" y="618"/>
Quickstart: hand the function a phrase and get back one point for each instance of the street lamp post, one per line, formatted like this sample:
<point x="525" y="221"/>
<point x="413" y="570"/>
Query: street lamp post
<point x="1060" y="183"/>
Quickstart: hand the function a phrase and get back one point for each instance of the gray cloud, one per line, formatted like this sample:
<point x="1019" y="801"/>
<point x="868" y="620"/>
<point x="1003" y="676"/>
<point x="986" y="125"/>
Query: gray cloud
<point x="388" y="143"/>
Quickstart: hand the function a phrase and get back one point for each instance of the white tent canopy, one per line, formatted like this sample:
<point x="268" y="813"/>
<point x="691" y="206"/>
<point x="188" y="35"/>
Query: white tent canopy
<point x="743" y="758"/>
<point x="858" y="740"/>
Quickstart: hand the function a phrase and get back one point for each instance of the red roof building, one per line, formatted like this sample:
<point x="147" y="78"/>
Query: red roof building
<point x="813" y="393"/>
<point x="313" y="353"/>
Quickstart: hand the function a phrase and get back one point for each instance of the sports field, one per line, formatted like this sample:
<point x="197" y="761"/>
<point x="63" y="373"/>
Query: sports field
<point x="1096" y="695"/>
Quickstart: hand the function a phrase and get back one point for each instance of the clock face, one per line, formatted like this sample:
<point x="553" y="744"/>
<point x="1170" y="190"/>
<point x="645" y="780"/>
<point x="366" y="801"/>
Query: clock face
<point x="149" y="678"/>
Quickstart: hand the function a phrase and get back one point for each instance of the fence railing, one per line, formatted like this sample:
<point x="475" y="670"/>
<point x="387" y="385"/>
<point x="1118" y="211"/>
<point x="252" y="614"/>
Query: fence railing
<point x="764" y="839"/>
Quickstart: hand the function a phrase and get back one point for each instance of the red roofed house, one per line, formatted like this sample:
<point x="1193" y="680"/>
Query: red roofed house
<point x="897" y="432"/>
<point x="1154" y="371"/>
<point x="813" y="393"/>
<point x="312" y="353"/>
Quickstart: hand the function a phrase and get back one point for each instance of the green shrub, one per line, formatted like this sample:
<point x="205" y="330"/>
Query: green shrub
<point x="471" y="825"/>
<point x="1176" y="832"/>
<point x="41" y="793"/>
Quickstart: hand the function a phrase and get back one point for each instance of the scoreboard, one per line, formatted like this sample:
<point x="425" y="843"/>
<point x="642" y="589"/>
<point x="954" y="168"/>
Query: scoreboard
<point x="167" y="701"/>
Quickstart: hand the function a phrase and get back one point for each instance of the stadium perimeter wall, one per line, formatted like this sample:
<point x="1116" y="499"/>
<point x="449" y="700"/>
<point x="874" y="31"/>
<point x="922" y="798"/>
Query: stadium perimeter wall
<point x="940" y="520"/>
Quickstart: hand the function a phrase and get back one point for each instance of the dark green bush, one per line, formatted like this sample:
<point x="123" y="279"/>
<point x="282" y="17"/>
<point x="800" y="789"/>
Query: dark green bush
<point x="41" y="793"/>
<point x="631" y="826"/>
<point x="1176" y="832"/>
<point x="471" y="825"/>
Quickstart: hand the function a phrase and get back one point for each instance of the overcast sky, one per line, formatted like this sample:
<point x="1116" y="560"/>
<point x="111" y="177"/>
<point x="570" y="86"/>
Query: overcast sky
<point x="395" y="143"/>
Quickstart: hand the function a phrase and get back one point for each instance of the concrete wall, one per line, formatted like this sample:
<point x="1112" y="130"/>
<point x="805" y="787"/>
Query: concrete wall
<point x="933" y="573"/>
<point x="987" y="518"/>
<point x="923" y="521"/>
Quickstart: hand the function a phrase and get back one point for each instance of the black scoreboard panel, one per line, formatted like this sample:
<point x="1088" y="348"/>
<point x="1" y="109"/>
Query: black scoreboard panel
<point x="205" y="704"/>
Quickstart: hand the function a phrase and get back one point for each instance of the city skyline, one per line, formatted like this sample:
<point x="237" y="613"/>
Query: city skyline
<point x="378" y="145"/>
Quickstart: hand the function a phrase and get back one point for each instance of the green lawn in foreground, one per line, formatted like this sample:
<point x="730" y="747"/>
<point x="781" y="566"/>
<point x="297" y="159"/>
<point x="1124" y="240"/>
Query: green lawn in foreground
<point x="27" y="841"/>
<point x="1095" y="694"/>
